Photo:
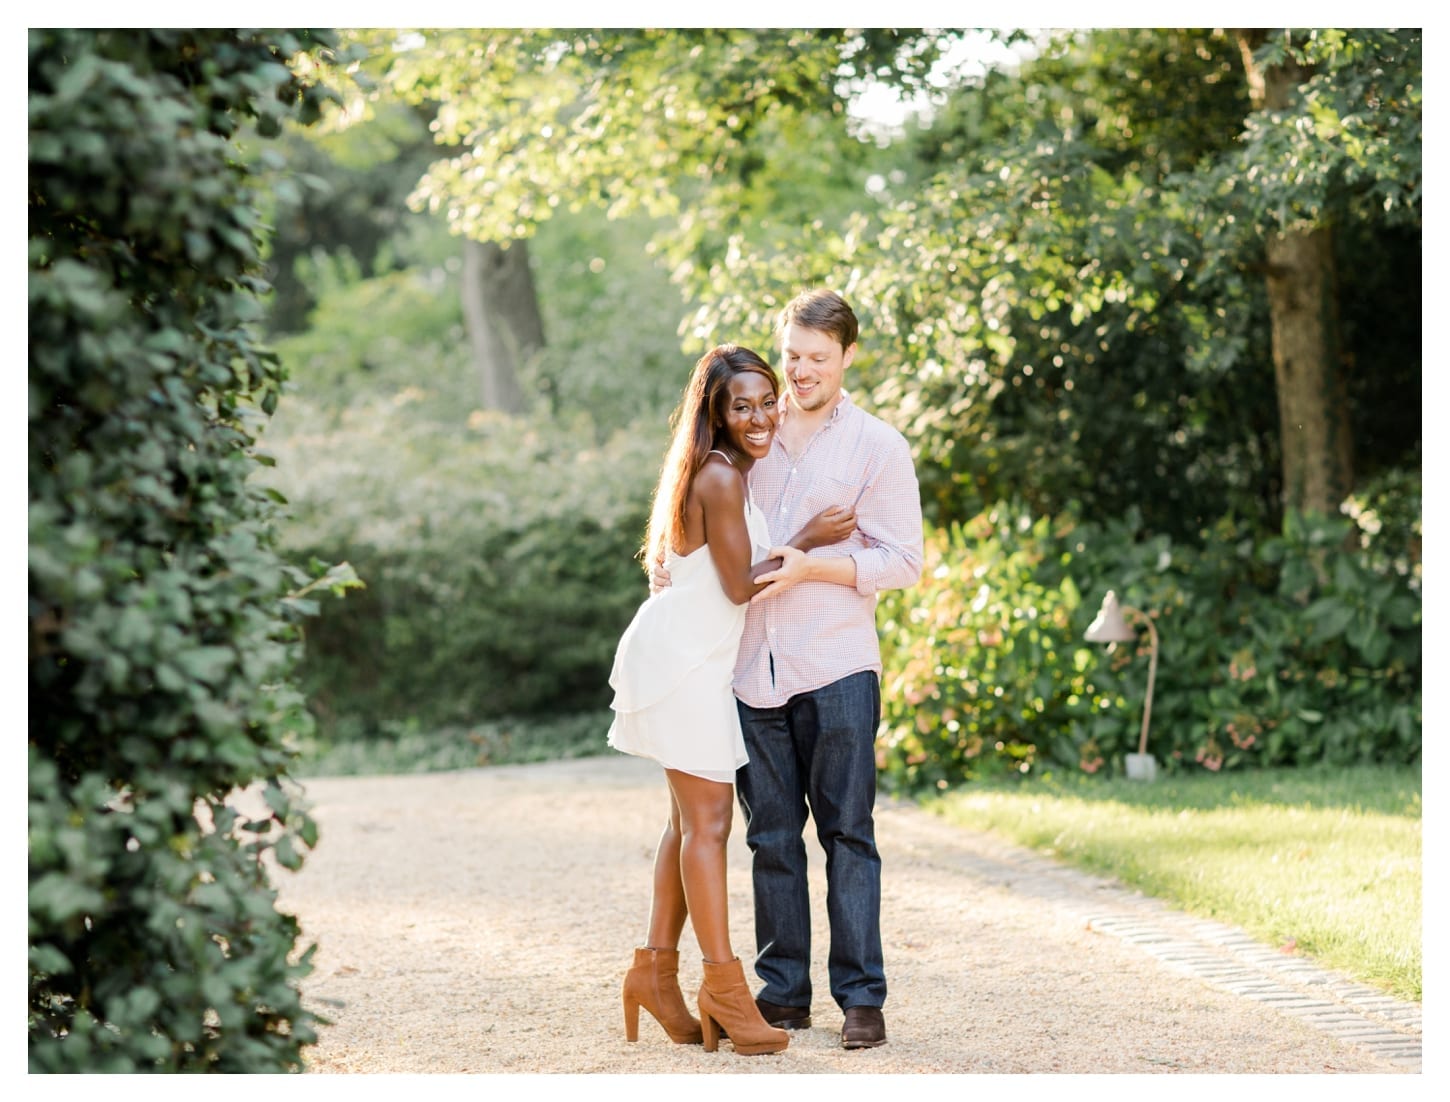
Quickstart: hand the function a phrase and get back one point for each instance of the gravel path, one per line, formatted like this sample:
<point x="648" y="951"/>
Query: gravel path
<point x="480" y="922"/>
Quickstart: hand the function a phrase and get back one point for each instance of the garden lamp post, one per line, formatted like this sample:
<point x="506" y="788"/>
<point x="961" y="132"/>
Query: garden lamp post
<point x="1110" y="627"/>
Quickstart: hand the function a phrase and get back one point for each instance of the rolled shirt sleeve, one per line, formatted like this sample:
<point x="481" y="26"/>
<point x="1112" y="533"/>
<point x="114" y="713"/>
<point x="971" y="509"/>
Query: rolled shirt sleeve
<point x="889" y="518"/>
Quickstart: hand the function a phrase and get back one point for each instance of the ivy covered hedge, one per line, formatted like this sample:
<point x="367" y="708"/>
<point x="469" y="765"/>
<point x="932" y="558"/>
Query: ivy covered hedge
<point x="1295" y="649"/>
<point x="163" y="624"/>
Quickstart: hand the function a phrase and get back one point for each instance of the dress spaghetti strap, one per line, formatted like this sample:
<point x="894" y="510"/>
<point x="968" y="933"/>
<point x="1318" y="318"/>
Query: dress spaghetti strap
<point x="749" y="505"/>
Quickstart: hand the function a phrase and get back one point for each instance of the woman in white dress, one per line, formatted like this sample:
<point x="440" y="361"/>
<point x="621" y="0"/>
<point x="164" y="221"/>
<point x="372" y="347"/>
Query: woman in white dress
<point x="672" y="680"/>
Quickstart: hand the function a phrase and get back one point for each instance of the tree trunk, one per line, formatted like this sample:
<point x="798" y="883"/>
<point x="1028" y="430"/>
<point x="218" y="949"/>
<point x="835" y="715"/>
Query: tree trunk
<point x="1314" y="425"/>
<point x="501" y="314"/>
<point x="1314" y="429"/>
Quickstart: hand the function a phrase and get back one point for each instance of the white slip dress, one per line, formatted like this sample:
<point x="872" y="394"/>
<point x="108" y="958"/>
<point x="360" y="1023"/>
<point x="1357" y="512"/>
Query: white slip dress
<point x="674" y="668"/>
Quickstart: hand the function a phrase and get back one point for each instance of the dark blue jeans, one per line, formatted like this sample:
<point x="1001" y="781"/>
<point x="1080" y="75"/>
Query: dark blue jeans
<point x="815" y="753"/>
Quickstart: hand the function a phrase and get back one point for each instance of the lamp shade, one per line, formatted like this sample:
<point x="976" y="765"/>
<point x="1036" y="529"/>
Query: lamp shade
<point x="1110" y="627"/>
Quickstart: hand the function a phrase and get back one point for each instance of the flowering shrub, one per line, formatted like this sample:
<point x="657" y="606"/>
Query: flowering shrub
<point x="1299" y="648"/>
<point x="982" y="670"/>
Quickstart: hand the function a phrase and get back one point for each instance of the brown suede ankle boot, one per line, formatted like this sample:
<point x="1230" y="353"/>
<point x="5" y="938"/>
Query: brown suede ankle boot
<point x="653" y="983"/>
<point x="727" y="1006"/>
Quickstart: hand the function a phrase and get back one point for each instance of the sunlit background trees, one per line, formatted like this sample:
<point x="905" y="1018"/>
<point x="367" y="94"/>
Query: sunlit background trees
<point x="1145" y="302"/>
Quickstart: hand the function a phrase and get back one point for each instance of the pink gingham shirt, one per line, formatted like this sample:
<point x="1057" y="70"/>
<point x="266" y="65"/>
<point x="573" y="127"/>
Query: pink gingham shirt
<point x="819" y="632"/>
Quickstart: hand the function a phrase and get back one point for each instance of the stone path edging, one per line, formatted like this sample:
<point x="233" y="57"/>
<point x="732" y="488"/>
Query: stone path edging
<point x="1222" y="956"/>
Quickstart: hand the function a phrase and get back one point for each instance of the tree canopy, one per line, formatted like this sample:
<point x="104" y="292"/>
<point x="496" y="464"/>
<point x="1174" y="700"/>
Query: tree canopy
<point x="1068" y="248"/>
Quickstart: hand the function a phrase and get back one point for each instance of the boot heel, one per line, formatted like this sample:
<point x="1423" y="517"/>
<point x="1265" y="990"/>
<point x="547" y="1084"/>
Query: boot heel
<point x="631" y="1019"/>
<point x="710" y="1030"/>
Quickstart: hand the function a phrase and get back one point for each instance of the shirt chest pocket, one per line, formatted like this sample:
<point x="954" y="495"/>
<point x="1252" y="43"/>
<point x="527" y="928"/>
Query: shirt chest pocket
<point x="821" y="493"/>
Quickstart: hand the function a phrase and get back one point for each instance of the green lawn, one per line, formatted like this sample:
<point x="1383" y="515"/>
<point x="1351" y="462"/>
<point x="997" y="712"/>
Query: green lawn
<point x="1326" y="859"/>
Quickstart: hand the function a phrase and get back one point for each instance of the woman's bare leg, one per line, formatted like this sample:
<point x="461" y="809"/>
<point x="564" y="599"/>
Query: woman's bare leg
<point x="667" y="908"/>
<point x="706" y="810"/>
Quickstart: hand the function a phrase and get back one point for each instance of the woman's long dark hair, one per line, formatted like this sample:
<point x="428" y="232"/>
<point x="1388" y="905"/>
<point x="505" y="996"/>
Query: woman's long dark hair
<point x="699" y="416"/>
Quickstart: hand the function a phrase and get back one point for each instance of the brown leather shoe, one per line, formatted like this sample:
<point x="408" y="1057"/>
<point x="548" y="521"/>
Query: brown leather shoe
<point x="785" y="1017"/>
<point x="865" y="1027"/>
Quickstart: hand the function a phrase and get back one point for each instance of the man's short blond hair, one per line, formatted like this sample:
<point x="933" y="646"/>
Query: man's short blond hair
<point x="825" y="312"/>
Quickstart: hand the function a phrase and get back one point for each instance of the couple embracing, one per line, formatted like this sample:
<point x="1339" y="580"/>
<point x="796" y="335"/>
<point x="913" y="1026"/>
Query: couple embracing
<point x="754" y="669"/>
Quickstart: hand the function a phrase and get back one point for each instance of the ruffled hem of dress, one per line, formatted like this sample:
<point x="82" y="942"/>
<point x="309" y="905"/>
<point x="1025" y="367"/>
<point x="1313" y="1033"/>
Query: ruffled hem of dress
<point x="719" y="776"/>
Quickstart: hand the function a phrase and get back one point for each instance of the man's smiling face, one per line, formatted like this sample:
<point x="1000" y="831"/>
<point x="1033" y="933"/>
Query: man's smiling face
<point x="813" y="363"/>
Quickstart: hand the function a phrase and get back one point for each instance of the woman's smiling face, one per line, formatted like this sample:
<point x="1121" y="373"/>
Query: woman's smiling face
<point x="750" y="414"/>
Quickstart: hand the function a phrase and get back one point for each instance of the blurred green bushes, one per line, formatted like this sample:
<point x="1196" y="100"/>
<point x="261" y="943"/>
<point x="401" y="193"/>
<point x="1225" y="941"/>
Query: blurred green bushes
<point x="1299" y="648"/>
<point x="499" y="563"/>
<point x="499" y="556"/>
<point x="498" y="552"/>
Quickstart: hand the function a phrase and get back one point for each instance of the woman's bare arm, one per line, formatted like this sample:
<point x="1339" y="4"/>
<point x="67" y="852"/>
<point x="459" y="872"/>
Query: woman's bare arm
<point x="721" y="493"/>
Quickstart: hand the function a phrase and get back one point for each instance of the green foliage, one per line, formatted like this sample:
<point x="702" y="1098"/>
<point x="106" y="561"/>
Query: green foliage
<point x="1062" y="297"/>
<point x="499" y="557"/>
<point x="396" y="747"/>
<point x="1292" y="649"/>
<point x="1062" y="268"/>
<point x="498" y="552"/>
<point x="341" y="193"/>
<point x="372" y="335"/>
<point x="611" y="317"/>
<point x="1025" y="316"/>
<point x="1352" y="139"/>
<point x="540" y="121"/>
<point x="606" y="302"/>
<point x="1058" y="276"/>
<point x="981" y="668"/>
<point x="162" y="641"/>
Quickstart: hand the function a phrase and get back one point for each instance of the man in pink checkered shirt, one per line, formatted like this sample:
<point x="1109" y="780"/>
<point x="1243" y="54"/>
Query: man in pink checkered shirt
<point x="807" y="680"/>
